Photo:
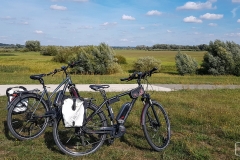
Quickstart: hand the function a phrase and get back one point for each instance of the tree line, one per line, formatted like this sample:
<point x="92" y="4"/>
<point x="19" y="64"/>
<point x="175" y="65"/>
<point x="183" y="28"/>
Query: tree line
<point x="201" y="47"/>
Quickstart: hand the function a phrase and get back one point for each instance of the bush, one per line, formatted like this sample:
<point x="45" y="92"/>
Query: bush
<point x="94" y="59"/>
<point x="49" y="51"/>
<point x="146" y="64"/>
<point x="63" y="55"/>
<point x="185" y="64"/>
<point x="121" y="59"/>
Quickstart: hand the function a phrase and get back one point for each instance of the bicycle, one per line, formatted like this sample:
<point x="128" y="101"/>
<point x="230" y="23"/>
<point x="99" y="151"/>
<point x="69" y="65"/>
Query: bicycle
<point x="30" y="112"/>
<point x="79" y="141"/>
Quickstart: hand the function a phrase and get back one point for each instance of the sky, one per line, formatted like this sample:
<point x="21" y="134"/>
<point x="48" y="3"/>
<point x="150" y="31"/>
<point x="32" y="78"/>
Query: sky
<point x="119" y="22"/>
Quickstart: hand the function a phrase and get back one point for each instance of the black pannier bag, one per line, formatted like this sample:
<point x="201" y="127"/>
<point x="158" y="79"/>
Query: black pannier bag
<point x="11" y="94"/>
<point x="136" y="92"/>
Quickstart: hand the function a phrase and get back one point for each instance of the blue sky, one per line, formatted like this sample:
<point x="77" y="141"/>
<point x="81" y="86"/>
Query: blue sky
<point x="119" y="22"/>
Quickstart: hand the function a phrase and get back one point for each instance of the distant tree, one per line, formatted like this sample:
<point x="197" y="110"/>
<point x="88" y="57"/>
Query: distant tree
<point x="33" y="45"/>
<point x="185" y="64"/>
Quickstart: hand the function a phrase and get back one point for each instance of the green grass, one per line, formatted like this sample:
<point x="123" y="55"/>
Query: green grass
<point x="16" y="67"/>
<point x="205" y="124"/>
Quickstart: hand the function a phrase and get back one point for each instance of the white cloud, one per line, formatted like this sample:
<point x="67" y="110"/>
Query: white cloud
<point x="39" y="32"/>
<point x="7" y="18"/>
<point x="85" y="27"/>
<point x="109" y="24"/>
<point x="233" y="34"/>
<point x="238" y="20"/>
<point x="25" y="23"/>
<point x="56" y="7"/>
<point x="154" y="13"/>
<point x="126" y="17"/>
<point x="169" y="31"/>
<point x="234" y="11"/>
<point x="142" y="28"/>
<point x="197" y="5"/>
<point x="236" y="1"/>
<point x="124" y="40"/>
<point x="192" y="19"/>
<point x="212" y="24"/>
<point x="211" y="16"/>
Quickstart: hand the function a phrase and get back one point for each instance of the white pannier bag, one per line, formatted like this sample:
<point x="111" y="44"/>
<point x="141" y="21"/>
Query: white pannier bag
<point x="73" y="112"/>
<point x="21" y="106"/>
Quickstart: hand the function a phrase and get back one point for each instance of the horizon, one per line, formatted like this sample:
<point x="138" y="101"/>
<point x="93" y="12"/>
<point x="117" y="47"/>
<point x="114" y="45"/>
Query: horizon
<point x="119" y="22"/>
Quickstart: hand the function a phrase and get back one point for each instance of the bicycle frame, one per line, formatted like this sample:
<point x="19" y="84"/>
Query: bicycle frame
<point x="66" y="82"/>
<point x="107" y="102"/>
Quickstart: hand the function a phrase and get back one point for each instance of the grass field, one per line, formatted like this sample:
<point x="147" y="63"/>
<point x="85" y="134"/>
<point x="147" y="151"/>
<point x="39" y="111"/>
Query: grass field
<point x="204" y="125"/>
<point x="16" y="67"/>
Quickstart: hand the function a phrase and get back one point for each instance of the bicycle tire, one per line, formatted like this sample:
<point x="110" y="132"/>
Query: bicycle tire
<point x="158" y="136"/>
<point x="25" y="123"/>
<point x="71" y="143"/>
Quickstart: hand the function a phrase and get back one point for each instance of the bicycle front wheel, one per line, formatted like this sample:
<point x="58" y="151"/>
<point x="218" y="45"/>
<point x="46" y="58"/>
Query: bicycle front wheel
<point x="156" y="126"/>
<point x="25" y="117"/>
<point x="75" y="141"/>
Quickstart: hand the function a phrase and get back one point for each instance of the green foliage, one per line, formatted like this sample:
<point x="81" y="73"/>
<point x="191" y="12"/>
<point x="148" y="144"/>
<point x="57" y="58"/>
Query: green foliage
<point x="185" y="64"/>
<point x="49" y="51"/>
<point x="94" y="59"/>
<point x="33" y="45"/>
<point x="222" y="58"/>
<point x="63" y="55"/>
<point x="121" y="59"/>
<point x="97" y="60"/>
<point x="146" y="64"/>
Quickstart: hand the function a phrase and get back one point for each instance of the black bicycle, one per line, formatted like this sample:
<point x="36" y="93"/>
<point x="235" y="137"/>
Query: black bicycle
<point x="79" y="141"/>
<point x="30" y="112"/>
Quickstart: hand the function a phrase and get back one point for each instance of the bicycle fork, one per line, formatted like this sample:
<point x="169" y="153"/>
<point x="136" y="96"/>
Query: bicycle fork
<point x="153" y="120"/>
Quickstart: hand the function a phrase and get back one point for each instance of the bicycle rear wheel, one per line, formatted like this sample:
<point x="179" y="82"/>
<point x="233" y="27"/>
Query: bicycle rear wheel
<point x="156" y="126"/>
<point x="75" y="141"/>
<point x="24" y="118"/>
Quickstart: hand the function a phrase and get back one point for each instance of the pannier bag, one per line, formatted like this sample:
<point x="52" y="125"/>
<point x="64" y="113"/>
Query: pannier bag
<point x="12" y="94"/>
<point x="73" y="112"/>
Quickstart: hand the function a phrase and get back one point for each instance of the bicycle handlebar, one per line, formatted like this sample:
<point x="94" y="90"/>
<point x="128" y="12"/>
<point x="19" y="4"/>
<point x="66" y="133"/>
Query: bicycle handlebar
<point x="139" y="75"/>
<point x="63" y="68"/>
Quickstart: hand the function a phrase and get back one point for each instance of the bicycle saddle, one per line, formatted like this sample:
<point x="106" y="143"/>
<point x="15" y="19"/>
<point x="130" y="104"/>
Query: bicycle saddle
<point x="97" y="87"/>
<point x="37" y="76"/>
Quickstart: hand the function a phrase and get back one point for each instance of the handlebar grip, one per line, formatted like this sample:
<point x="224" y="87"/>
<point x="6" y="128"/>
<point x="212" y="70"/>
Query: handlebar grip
<point x="124" y="79"/>
<point x="152" y="70"/>
<point x="71" y="65"/>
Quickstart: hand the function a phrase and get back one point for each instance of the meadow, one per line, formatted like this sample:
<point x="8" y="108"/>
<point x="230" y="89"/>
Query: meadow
<point x="16" y="67"/>
<point x="204" y="123"/>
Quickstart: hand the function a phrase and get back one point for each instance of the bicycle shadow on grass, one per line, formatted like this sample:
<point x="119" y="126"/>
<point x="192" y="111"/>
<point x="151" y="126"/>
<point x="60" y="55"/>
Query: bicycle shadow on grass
<point x="50" y="143"/>
<point x="6" y="131"/>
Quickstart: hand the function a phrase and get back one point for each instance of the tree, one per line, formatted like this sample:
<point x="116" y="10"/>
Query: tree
<point x="185" y="64"/>
<point x="220" y="59"/>
<point x="33" y="45"/>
